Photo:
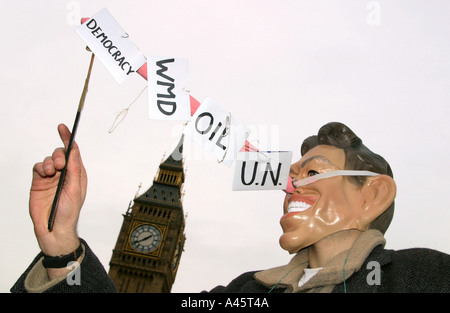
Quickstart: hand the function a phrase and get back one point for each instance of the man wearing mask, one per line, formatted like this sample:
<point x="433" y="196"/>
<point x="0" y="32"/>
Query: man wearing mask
<point x="339" y="204"/>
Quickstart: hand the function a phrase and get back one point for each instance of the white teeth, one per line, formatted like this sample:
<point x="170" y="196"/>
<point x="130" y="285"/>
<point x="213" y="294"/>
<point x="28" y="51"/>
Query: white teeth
<point x="298" y="206"/>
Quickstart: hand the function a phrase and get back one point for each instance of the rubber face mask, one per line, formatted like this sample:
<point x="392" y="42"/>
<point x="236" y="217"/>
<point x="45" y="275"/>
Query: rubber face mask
<point x="320" y="200"/>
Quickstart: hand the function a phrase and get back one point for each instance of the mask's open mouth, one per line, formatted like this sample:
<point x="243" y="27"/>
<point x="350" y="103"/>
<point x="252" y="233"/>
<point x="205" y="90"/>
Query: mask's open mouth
<point x="298" y="206"/>
<point x="299" y="203"/>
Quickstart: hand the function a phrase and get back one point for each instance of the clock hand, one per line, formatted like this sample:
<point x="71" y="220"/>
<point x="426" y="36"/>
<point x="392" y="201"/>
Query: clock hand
<point x="143" y="239"/>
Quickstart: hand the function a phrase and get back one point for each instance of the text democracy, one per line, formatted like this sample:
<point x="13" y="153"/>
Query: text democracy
<point x="109" y="45"/>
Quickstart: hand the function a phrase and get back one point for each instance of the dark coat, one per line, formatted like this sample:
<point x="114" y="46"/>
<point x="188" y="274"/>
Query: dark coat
<point x="415" y="270"/>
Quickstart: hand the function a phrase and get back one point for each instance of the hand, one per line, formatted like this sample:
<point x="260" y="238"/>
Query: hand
<point x="63" y="239"/>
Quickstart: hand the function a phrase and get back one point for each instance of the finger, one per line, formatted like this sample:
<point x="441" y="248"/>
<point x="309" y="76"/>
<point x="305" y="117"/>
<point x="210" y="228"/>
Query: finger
<point x="59" y="158"/>
<point x="48" y="166"/>
<point x="39" y="169"/>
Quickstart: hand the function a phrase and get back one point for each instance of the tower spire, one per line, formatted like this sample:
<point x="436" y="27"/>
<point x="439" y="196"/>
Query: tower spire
<point x="176" y="157"/>
<point x="168" y="184"/>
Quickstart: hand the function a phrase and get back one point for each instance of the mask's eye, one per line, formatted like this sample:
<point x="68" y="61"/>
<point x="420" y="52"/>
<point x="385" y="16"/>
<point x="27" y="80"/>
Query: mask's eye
<point x="312" y="173"/>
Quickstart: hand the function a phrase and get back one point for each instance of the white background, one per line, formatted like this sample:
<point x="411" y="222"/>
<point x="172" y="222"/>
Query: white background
<point x="284" y="68"/>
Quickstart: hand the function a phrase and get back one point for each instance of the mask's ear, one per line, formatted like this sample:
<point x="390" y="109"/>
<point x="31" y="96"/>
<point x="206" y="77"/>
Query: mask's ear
<point x="378" y="194"/>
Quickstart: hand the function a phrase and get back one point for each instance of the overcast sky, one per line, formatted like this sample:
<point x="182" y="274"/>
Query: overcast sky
<point x="283" y="68"/>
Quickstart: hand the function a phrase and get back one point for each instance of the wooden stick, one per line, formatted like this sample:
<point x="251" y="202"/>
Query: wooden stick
<point x="51" y="218"/>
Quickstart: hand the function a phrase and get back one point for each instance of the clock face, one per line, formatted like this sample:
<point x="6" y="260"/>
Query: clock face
<point x="145" y="238"/>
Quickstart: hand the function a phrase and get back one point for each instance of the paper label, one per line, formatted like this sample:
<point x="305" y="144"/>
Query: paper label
<point x="111" y="45"/>
<point x="217" y="131"/>
<point x="262" y="170"/>
<point x="167" y="88"/>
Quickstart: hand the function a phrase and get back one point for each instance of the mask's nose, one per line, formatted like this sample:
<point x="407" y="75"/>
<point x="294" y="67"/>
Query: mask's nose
<point x="290" y="186"/>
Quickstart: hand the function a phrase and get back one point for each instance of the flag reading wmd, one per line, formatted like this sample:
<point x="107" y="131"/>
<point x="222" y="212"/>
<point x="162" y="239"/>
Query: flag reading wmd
<point x="111" y="45"/>
<point x="168" y="95"/>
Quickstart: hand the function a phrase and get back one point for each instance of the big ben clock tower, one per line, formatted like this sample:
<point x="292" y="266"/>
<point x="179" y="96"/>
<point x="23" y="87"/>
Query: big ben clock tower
<point x="151" y="240"/>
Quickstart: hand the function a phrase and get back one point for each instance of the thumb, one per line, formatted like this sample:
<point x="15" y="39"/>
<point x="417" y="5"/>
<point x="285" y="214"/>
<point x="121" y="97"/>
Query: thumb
<point x="74" y="166"/>
<point x="73" y="158"/>
<point x="64" y="134"/>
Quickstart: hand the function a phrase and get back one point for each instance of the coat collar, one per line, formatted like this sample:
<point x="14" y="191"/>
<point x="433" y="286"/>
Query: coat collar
<point x="288" y="276"/>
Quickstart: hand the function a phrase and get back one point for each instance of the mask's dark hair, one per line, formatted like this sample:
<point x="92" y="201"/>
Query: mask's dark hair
<point x="357" y="157"/>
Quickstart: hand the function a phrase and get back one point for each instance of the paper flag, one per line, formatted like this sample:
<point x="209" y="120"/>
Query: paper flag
<point x="262" y="170"/>
<point x="111" y="45"/>
<point x="217" y="131"/>
<point x="87" y="33"/>
<point x="167" y="88"/>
